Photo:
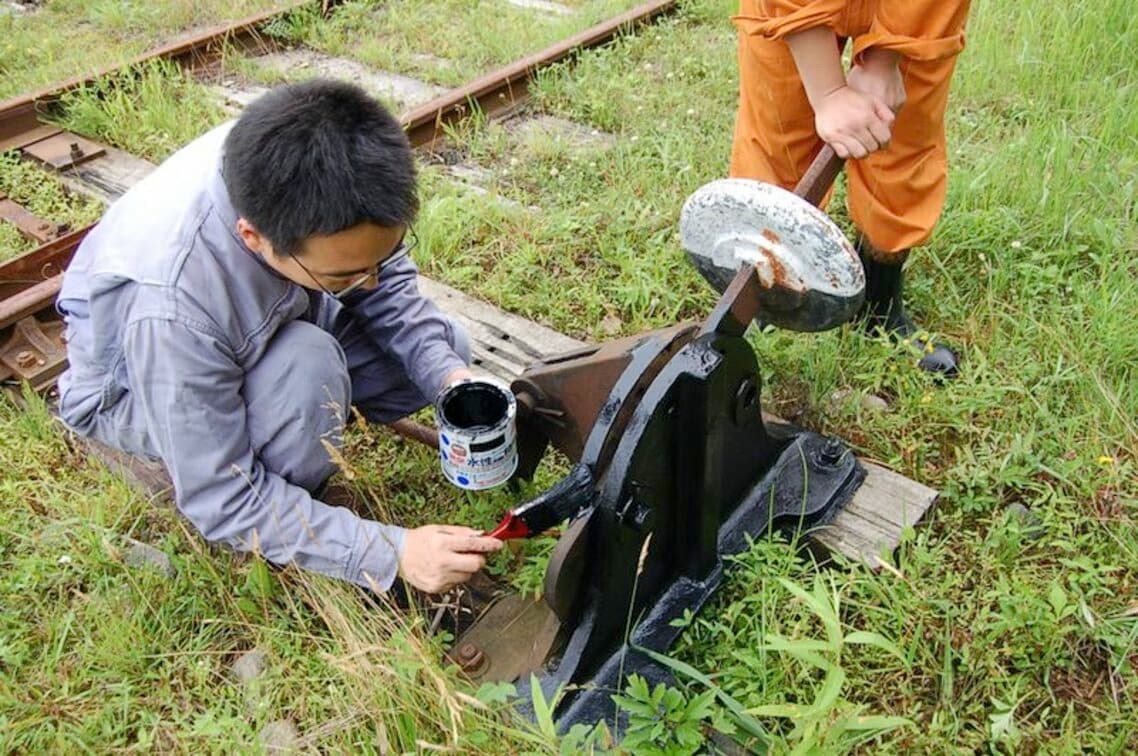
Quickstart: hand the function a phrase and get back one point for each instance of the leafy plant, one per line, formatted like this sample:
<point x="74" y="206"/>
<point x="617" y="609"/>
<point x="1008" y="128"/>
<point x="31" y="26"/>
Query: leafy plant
<point x="662" y="720"/>
<point x="829" y="722"/>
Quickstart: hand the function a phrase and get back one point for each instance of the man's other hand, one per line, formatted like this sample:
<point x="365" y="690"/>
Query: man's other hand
<point x="853" y="123"/>
<point x="878" y="75"/>
<point x="438" y="557"/>
<point x="455" y="376"/>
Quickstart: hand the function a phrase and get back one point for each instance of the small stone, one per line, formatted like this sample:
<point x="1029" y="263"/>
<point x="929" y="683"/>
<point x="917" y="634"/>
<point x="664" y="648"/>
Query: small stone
<point x="1028" y="522"/>
<point x="144" y="555"/>
<point x="838" y="398"/>
<point x="874" y="403"/>
<point x="868" y="402"/>
<point x="279" y="736"/>
<point x="610" y="325"/>
<point x="543" y="6"/>
<point x="249" y="666"/>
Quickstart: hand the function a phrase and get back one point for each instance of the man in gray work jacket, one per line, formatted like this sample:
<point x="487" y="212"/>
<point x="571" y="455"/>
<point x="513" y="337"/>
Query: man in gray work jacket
<point x="229" y="308"/>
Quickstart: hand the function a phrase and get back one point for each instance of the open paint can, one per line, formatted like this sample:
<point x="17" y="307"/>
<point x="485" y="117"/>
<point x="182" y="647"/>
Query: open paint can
<point x="478" y="441"/>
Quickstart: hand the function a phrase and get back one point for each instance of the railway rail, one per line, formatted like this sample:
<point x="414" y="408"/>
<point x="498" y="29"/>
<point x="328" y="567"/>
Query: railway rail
<point x="31" y="349"/>
<point x="504" y="344"/>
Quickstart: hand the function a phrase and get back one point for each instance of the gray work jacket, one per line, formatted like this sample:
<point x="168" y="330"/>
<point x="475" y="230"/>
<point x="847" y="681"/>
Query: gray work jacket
<point x="164" y="301"/>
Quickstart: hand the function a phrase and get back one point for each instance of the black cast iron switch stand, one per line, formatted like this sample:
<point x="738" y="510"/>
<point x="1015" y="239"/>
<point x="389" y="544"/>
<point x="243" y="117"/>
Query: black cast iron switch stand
<point x="680" y="455"/>
<point x="676" y="470"/>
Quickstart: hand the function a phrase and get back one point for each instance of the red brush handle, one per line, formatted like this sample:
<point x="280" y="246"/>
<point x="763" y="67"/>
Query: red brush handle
<point x="511" y="526"/>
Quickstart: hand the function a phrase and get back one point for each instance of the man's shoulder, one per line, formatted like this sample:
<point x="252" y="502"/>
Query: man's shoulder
<point x="148" y="233"/>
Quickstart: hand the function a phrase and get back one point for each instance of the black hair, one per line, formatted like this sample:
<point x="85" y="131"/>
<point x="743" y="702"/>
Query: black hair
<point x="316" y="158"/>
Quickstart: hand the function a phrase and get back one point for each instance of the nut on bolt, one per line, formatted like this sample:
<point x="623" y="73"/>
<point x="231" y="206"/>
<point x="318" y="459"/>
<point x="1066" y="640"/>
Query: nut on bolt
<point x="26" y="358"/>
<point x="831" y="451"/>
<point x="470" y="658"/>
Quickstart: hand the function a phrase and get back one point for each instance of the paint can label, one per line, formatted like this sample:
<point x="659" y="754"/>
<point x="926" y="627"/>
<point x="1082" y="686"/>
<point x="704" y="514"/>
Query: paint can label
<point x="478" y="446"/>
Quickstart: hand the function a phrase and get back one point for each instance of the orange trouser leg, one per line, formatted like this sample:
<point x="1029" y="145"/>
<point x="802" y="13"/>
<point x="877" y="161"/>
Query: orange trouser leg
<point x="774" y="129"/>
<point x="896" y="194"/>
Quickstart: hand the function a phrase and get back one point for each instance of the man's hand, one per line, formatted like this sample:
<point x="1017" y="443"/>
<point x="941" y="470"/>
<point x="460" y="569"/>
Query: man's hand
<point x="879" y="76"/>
<point x="456" y="375"/>
<point x="438" y="557"/>
<point x="853" y="123"/>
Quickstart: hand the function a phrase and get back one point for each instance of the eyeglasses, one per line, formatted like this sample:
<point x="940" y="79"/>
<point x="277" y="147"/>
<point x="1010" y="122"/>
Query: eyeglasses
<point x="406" y="244"/>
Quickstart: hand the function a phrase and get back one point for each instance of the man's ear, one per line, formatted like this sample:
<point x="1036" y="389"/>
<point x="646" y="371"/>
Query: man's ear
<point x="253" y="238"/>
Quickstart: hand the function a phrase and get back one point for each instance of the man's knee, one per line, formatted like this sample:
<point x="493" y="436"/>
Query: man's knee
<point x="460" y="340"/>
<point x="297" y="398"/>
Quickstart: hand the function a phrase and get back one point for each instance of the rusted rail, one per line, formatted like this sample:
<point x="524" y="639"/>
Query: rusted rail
<point x="30" y="349"/>
<point x="500" y="92"/>
<point x="19" y="116"/>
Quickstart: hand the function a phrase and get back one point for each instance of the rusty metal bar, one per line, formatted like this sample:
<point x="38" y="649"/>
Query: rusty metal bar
<point x="820" y="176"/>
<point x="503" y="90"/>
<point x="29" y="301"/>
<point x="28" y="223"/>
<point x="413" y="431"/>
<point x="40" y="264"/>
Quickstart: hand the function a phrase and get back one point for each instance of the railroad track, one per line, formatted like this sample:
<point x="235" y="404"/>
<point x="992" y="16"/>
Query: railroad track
<point x="503" y="343"/>
<point x="31" y="350"/>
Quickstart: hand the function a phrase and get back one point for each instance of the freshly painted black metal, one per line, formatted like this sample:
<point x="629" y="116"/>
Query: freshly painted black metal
<point x="686" y="473"/>
<point x="695" y="473"/>
<point x="565" y="500"/>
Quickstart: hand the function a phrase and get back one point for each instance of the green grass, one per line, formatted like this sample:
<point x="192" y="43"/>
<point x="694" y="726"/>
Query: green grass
<point x="62" y="39"/>
<point x="149" y="111"/>
<point x="991" y="639"/>
<point x="447" y="42"/>
<point x="41" y="193"/>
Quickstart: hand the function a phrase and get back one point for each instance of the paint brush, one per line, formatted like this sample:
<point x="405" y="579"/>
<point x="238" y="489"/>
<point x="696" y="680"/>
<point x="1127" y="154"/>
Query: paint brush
<point x="567" y="498"/>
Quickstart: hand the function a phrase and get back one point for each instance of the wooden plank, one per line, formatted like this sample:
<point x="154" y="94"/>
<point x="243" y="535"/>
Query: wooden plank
<point x="107" y="177"/>
<point x="872" y="524"/>
<point x="148" y="477"/>
<point x="401" y="92"/>
<point x="527" y="337"/>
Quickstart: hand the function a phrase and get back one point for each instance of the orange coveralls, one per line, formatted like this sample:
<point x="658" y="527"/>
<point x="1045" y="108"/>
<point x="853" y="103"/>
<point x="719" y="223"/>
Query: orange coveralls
<point x="896" y="194"/>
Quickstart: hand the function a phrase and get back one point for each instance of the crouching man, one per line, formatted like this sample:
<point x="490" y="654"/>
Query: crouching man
<point x="229" y="308"/>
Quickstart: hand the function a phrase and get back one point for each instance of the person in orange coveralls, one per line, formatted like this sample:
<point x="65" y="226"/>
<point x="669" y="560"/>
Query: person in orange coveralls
<point x="886" y="117"/>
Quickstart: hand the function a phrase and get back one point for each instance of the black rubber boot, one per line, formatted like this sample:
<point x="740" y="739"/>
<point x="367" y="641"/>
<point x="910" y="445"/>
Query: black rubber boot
<point x="885" y="310"/>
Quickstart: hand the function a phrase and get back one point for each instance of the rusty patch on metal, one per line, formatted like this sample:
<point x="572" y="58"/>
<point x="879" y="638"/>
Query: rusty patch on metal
<point x="771" y="236"/>
<point x="23" y="138"/>
<point x="772" y="273"/>
<point x="28" y="223"/>
<point x="33" y="353"/>
<point x="64" y="150"/>
<point x="512" y="638"/>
